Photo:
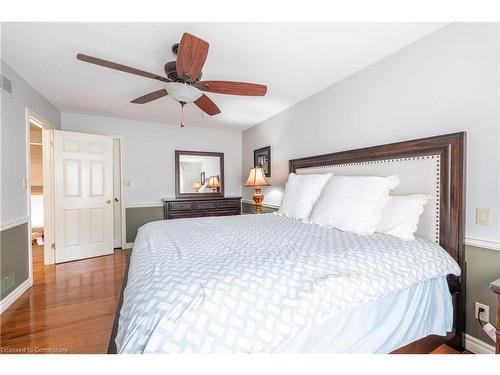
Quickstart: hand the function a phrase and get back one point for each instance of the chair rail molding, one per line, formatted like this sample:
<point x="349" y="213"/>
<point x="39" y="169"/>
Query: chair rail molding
<point x="14" y="222"/>
<point x="143" y="204"/>
<point x="484" y="244"/>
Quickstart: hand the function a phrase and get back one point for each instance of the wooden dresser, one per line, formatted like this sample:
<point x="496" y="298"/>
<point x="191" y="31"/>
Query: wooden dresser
<point x="495" y="287"/>
<point x="178" y="208"/>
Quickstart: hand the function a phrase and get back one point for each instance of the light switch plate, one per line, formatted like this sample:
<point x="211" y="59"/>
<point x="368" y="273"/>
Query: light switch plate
<point x="483" y="216"/>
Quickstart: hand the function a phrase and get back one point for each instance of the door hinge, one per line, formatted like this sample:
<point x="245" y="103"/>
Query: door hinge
<point x="53" y="246"/>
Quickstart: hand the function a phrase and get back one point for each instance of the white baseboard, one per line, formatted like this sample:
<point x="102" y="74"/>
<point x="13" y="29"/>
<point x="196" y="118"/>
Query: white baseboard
<point x="128" y="245"/>
<point x="14" y="295"/>
<point x="477" y="346"/>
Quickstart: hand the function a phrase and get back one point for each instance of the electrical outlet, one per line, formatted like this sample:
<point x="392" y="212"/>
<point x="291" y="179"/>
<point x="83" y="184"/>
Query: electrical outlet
<point x="484" y="316"/>
<point x="483" y="216"/>
<point x="8" y="281"/>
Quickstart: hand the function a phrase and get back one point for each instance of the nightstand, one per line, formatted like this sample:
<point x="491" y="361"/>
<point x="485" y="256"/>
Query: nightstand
<point x="495" y="288"/>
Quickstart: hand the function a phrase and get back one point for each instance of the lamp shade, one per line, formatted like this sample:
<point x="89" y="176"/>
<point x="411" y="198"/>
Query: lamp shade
<point x="213" y="182"/>
<point x="196" y="186"/>
<point x="257" y="178"/>
<point x="183" y="92"/>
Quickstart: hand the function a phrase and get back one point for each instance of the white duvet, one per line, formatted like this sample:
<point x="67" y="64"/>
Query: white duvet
<point x="248" y="283"/>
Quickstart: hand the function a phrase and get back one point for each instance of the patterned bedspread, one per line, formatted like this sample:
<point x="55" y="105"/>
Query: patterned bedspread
<point x="247" y="283"/>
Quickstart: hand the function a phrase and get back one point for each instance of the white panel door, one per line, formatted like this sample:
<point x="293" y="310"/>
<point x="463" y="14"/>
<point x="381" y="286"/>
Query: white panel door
<point x="83" y="190"/>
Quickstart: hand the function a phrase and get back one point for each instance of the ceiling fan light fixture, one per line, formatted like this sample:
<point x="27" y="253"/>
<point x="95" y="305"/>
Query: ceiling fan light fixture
<point x="183" y="92"/>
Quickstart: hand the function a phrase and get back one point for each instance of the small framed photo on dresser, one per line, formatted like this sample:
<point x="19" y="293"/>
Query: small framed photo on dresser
<point x="262" y="157"/>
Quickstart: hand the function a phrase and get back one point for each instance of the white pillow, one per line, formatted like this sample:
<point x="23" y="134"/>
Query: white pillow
<point x="301" y="192"/>
<point x="400" y="215"/>
<point x="353" y="203"/>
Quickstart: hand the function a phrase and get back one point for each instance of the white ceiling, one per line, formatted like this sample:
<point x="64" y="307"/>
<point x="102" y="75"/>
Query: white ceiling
<point x="295" y="61"/>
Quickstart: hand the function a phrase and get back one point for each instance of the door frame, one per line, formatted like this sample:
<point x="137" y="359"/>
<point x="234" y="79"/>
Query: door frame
<point x="48" y="184"/>
<point x="122" y="206"/>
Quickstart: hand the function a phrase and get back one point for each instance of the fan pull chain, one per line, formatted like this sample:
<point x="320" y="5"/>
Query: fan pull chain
<point x="182" y="116"/>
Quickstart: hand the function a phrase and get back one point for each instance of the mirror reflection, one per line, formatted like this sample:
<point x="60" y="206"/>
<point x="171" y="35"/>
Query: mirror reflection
<point x="199" y="174"/>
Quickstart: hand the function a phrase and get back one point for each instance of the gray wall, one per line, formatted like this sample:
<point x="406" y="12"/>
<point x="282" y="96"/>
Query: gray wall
<point x="138" y="216"/>
<point x="248" y="208"/>
<point x="483" y="267"/>
<point x="13" y="258"/>
<point x="13" y="201"/>
<point x="443" y="83"/>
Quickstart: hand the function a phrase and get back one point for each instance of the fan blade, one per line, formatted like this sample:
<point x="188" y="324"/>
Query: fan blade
<point x="116" y="66"/>
<point x="232" y="88"/>
<point x="207" y="105"/>
<point x="150" y="97"/>
<point x="191" y="56"/>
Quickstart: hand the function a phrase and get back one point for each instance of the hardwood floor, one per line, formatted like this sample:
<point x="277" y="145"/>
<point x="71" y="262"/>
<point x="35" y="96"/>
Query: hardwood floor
<point x="444" y="349"/>
<point x="69" y="309"/>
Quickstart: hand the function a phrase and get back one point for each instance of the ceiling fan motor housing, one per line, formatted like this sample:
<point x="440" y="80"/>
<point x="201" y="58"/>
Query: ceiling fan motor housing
<point x="171" y="72"/>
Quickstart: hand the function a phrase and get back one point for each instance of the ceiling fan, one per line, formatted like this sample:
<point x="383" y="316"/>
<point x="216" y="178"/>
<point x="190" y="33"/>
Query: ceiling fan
<point x="183" y="77"/>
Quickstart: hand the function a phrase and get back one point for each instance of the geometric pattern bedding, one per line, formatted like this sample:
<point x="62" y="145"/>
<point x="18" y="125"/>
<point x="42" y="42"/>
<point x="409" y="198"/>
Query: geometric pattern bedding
<point x="248" y="283"/>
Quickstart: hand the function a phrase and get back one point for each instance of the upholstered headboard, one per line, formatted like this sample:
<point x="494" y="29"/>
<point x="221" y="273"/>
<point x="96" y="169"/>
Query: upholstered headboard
<point x="433" y="166"/>
<point x="417" y="174"/>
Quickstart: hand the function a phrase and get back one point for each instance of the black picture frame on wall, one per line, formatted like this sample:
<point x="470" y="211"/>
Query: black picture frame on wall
<point x="262" y="157"/>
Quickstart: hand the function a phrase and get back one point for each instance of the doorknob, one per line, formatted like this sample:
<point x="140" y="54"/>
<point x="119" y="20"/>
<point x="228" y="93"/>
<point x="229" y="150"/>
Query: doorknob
<point x="108" y="201"/>
<point x="116" y="200"/>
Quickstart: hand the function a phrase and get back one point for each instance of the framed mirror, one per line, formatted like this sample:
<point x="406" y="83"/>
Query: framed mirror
<point x="199" y="174"/>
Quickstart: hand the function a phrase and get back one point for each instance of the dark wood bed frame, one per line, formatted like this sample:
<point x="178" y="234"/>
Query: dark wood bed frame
<point x="452" y="150"/>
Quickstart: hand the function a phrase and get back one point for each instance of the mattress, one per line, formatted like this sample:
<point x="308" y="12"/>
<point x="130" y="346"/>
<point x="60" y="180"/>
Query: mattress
<point x="256" y="283"/>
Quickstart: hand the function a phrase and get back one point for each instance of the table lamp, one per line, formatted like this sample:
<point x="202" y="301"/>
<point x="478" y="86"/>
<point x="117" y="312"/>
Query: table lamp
<point x="196" y="186"/>
<point x="257" y="179"/>
<point x="213" y="183"/>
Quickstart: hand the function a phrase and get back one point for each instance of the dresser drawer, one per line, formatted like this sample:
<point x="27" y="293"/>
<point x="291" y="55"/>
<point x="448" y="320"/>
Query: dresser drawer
<point x="199" y="207"/>
<point x="223" y="213"/>
<point x="205" y="205"/>
<point x="185" y="215"/>
<point x="229" y="204"/>
<point x="181" y="206"/>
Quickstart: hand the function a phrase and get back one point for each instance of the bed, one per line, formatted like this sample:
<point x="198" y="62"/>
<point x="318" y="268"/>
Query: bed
<point x="266" y="283"/>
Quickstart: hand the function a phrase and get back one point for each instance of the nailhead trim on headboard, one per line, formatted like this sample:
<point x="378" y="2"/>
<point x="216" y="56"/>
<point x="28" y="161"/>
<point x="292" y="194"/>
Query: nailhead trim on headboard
<point x="437" y="187"/>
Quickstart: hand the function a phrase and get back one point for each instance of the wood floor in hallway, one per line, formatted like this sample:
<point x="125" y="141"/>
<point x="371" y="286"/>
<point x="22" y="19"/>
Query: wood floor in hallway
<point x="69" y="309"/>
